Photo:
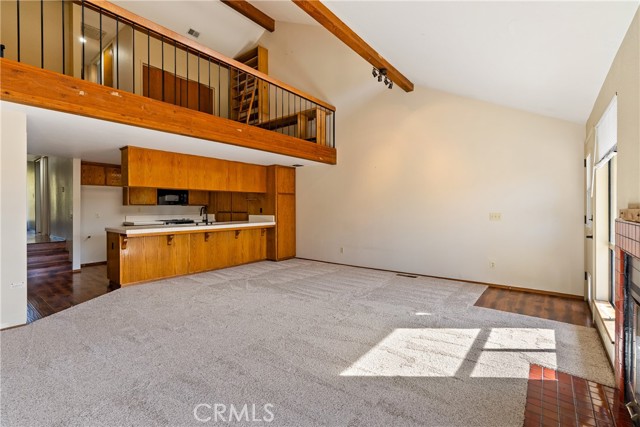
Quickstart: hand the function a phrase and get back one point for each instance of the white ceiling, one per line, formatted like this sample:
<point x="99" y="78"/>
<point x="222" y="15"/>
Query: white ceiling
<point x="221" y="28"/>
<point x="51" y="133"/>
<point x="546" y="57"/>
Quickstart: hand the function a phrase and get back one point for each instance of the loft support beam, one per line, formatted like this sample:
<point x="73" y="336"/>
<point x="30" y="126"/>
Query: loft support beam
<point x="248" y="10"/>
<point x="331" y="22"/>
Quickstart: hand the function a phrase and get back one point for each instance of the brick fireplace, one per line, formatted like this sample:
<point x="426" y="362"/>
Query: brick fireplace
<point x="627" y="246"/>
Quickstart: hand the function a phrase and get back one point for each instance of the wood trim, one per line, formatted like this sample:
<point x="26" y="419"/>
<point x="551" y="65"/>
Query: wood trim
<point x="93" y="264"/>
<point x="138" y="20"/>
<point x="474" y="282"/>
<point x="29" y="85"/>
<point x="248" y="10"/>
<point x="331" y="22"/>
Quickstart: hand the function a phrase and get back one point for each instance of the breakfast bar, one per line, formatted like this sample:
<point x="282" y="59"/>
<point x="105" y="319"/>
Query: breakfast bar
<point x="137" y="254"/>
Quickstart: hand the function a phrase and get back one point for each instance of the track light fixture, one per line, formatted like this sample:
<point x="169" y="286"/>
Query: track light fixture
<point x="381" y="74"/>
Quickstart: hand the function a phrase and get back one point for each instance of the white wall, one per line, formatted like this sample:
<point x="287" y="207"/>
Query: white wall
<point x="419" y="173"/>
<point x="623" y="79"/>
<point x="13" y="214"/>
<point x="102" y="207"/>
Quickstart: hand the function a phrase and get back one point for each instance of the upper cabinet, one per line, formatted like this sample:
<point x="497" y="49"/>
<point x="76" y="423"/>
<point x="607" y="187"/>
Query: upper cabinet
<point x="100" y="174"/>
<point x="142" y="167"/>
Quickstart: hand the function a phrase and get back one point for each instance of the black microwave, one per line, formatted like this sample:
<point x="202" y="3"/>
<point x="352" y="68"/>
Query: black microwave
<point x="173" y="197"/>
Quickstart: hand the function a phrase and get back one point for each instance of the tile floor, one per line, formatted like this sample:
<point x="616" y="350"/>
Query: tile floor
<point x="558" y="399"/>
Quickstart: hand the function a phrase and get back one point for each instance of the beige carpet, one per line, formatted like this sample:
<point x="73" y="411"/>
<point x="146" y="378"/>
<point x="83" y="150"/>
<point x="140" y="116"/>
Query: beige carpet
<point x="318" y="344"/>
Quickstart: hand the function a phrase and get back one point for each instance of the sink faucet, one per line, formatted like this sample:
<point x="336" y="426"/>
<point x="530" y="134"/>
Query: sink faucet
<point x="203" y="212"/>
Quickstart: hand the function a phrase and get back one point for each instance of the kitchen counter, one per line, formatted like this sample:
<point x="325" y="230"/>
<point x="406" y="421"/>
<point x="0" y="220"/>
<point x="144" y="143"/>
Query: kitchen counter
<point x="140" y="253"/>
<point x="138" y="230"/>
<point x="255" y="221"/>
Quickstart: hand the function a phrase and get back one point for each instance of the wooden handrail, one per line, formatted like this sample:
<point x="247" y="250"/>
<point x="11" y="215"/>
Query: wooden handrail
<point x="143" y="22"/>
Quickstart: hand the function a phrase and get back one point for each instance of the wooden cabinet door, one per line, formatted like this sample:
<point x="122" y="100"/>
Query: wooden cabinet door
<point x="113" y="176"/>
<point x="155" y="257"/>
<point x="153" y="168"/>
<point x="139" y="196"/>
<point x="285" y="180"/>
<point x="202" y="252"/>
<point x="92" y="175"/>
<point x="198" y="198"/>
<point x="254" y="245"/>
<point x="207" y="174"/>
<point x="244" y="177"/>
<point x="286" y="226"/>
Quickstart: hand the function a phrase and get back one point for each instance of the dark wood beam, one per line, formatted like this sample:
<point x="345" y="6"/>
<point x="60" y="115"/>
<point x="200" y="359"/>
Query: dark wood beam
<point x="331" y="22"/>
<point x="250" y="11"/>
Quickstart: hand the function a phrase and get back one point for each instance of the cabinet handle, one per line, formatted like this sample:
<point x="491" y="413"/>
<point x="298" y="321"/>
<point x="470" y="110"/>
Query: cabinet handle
<point x="237" y="233"/>
<point x="123" y="243"/>
<point x="206" y="236"/>
<point x="170" y="239"/>
<point x="264" y="230"/>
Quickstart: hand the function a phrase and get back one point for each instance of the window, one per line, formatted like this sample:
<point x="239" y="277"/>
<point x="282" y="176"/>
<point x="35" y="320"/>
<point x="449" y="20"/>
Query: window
<point x="604" y="206"/>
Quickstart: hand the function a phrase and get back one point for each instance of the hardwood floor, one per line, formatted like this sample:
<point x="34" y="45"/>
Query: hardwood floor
<point x="47" y="295"/>
<point x="551" y="307"/>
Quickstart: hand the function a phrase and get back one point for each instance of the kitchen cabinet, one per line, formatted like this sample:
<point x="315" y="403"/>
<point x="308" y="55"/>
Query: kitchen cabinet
<point x="135" y="259"/>
<point x="281" y="202"/>
<point x="100" y="174"/>
<point x="220" y="249"/>
<point x="143" y="167"/>
<point x="198" y="198"/>
<point x="155" y="257"/>
<point x="139" y="196"/>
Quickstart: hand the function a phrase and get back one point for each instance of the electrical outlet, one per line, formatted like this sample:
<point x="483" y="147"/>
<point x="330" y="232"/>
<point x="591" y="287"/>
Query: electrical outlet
<point x="341" y="250"/>
<point x="98" y="215"/>
<point x="17" y="285"/>
<point x="495" y="216"/>
<point x="492" y="264"/>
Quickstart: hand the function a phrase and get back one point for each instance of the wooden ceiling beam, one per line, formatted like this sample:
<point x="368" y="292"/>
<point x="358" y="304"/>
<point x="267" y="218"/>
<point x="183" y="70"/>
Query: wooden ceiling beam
<point x="331" y="22"/>
<point x="250" y="11"/>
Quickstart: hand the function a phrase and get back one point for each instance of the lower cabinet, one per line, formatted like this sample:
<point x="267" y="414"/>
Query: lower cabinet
<point x="154" y="257"/>
<point x="143" y="258"/>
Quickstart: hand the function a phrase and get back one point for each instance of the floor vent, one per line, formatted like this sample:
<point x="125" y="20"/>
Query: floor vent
<point x="411" y="276"/>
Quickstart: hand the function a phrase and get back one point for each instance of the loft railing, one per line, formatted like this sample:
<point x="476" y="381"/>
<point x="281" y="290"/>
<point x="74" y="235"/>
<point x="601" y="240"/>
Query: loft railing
<point x="100" y="42"/>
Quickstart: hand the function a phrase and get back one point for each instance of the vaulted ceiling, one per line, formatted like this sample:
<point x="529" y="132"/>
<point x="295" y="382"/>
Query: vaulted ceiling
<point x="547" y="57"/>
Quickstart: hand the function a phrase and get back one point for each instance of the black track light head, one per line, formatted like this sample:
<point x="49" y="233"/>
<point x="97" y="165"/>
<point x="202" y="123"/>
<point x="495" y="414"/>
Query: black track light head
<point x="380" y="77"/>
<point x="374" y="72"/>
<point x="390" y="84"/>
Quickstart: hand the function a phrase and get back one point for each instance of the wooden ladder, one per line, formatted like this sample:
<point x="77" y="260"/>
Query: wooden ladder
<point x="247" y="94"/>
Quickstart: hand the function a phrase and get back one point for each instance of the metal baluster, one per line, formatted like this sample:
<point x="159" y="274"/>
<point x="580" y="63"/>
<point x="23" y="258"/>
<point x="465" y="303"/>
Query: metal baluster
<point x="187" y="78"/>
<point x="219" y="105"/>
<point x="83" y="43"/>
<point x="210" y="100"/>
<point x="63" y="55"/>
<point x="162" y="63"/>
<point x="100" y="76"/>
<point x="198" y="80"/>
<point x="18" y="26"/>
<point x="175" y="73"/>
<point x="41" y="33"/>
<point x="133" y="58"/>
<point x="148" y="63"/>
<point x="117" y="54"/>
